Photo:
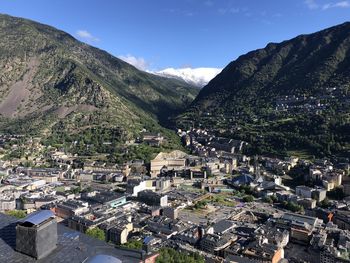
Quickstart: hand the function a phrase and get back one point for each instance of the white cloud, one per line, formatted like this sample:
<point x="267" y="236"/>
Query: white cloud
<point x="137" y="62"/>
<point x="341" y="4"/>
<point x="87" y="36"/>
<point x="181" y="12"/>
<point x="230" y="10"/>
<point x="195" y="76"/>
<point x="311" y="4"/>
<point x="188" y="13"/>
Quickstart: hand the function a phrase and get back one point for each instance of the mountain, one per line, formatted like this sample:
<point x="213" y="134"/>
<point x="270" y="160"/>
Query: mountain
<point x="286" y="98"/>
<point x="51" y="81"/>
<point x="197" y="77"/>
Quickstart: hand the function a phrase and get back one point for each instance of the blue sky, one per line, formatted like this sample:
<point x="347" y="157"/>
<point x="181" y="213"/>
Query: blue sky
<point x="156" y="34"/>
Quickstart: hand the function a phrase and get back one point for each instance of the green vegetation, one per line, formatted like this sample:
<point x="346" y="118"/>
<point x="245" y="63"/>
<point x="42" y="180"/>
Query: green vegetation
<point x="14" y="154"/>
<point x="133" y="244"/>
<point x="291" y="206"/>
<point x="302" y="154"/>
<point x="76" y="89"/>
<point x="76" y="190"/>
<point x="17" y="213"/>
<point x="96" y="233"/>
<point x="144" y="152"/>
<point x="246" y="189"/>
<point x="248" y="99"/>
<point x="169" y="255"/>
<point x="201" y="204"/>
<point x="60" y="189"/>
<point x="270" y="199"/>
<point x="324" y="203"/>
<point x="243" y="191"/>
<point x="86" y="143"/>
<point x="109" y="143"/>
<point x="248" y="199"/>
<point x="215" y="199"/>
<point x="223" y="199"/>
<point x="345" y="255"/>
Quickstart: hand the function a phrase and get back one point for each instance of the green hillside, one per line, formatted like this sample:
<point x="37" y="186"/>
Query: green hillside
<point x="49" y="81"/>
<point x="286" y="98"/>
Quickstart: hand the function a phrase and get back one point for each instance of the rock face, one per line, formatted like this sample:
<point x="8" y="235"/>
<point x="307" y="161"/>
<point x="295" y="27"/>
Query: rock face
<point x="47" y="76"/>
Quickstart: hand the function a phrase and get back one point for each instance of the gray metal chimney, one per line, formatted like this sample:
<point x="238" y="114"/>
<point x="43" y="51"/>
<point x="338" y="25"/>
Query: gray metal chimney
<point x="36" y="235"/>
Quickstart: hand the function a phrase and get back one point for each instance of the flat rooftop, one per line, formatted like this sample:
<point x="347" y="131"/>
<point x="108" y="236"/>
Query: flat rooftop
<point x="72" y="247"/>
<point x="300" y="218"/>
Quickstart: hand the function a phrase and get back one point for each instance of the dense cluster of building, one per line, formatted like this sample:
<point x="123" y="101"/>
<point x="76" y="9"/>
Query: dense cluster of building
<point x="318" y="103"/>
<point x="194" y="202"/>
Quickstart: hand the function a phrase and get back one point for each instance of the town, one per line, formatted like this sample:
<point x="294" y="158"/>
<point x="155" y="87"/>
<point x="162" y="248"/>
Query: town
<point x="210" y="200"/>
<point x="190" y="131"/>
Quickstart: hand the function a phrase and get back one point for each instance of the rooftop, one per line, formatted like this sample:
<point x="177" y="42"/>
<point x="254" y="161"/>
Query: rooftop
<point x="172" y="155"/>
<point x="104" y="197"/>
<point x="73" y="247"/>
<point x="38" y="217"/>
<point x="300" y="218"/>
<point x="223" y="226"/>
<point x="304" y="188"/>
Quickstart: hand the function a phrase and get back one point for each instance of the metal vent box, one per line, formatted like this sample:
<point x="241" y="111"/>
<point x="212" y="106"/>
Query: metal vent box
<point x="36" y="235"/>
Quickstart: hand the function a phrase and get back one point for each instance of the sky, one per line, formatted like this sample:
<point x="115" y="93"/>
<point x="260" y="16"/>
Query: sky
<point x="158" y="34"/>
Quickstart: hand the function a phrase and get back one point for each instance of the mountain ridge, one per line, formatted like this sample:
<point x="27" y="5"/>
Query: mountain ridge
<point x="47" y="73"/>
<point x="314" y="69"/>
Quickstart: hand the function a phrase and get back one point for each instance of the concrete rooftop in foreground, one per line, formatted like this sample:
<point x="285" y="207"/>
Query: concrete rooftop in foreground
<point x="72" y="247"/>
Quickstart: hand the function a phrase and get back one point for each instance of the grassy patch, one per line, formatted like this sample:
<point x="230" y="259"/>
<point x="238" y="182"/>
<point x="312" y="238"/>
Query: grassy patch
<point x="60" y="189"/>
<point x="302" y="154"/>
<point x="17" y="213"/>
<point x="223" y="199"/>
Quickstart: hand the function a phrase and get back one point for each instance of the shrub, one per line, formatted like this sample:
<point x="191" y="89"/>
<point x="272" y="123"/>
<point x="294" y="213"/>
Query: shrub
<point x="96" y="233"/>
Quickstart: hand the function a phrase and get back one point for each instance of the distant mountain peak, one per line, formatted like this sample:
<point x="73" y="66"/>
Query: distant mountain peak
<point x="198" y="77"/>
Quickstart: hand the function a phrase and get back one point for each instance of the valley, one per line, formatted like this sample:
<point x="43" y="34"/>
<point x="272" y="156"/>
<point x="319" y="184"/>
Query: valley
<point x="112" y="163"/>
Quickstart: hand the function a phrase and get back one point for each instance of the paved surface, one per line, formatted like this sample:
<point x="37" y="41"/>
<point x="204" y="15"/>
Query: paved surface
<point x="72" y="247"/>
<point x="217" y="213"/>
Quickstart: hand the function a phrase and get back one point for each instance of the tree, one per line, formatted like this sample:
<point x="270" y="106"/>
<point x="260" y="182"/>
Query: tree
<point x="76" y="190"/>
<point x="248" y="198"/>
<point x="96" y="233"/>
<point x="133" y="244"/>
<point x="268" y="199"/>
<point x="324" y="203"/>
<point x="292" y="206"/>
<point x="169" y="255"/>
<point x="274" y="198"/>
<point x="200" y="204"/>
